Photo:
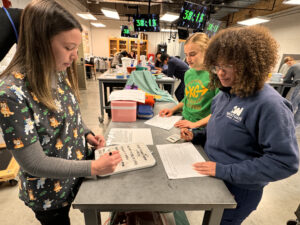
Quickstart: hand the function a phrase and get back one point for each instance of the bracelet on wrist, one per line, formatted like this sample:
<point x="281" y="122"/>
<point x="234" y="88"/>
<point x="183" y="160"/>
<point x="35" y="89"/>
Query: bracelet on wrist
<point x="90" y="132"/>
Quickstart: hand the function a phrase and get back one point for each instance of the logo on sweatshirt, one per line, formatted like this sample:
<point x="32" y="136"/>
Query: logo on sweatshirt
<point x="235" y="113"/>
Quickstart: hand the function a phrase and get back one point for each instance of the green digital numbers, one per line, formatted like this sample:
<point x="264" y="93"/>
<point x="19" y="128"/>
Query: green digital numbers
<point x="191" y="16"/>
<point x="188" y="15"/>
<point x="126" y="31"/>
<point x="140" y="23"/>
<point x="154" y="22"/>
<point x="213" y="28"/>
<point x="146" y="23"/>
<point x="201" y="17"/>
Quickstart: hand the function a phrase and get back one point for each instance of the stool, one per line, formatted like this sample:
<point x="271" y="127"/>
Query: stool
<point x="90" y="71"/>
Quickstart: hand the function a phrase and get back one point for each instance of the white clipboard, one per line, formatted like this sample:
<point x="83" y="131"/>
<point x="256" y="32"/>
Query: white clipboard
<point x="134" y="156"/>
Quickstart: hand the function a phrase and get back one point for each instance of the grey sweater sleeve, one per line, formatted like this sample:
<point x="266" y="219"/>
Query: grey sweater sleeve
<point x="33" y="160"/>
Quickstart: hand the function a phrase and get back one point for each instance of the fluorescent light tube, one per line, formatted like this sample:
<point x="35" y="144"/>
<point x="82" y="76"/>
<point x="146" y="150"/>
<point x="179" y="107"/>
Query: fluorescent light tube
<point x="170" y="17"/>
<point x="111" y="13"/>
<point x="98" y="24"/>
<point x="292" y="2"/>
<point x="253" y="21"/>
<point x="86" y="16"/>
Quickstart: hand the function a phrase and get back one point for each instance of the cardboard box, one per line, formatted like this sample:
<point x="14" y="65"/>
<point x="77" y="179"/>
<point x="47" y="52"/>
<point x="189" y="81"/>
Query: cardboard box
<point x="123" y="111"/>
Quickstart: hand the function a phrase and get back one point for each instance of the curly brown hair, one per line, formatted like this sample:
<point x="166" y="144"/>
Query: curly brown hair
<point x="251" y="50"/>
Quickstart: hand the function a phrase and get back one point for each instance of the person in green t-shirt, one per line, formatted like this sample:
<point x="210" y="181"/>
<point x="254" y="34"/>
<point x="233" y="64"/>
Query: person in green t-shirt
<point x="197" y="97"/>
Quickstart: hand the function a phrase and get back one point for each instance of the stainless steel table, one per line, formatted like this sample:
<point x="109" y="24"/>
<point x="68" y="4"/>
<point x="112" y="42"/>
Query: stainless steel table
<point x="280" y="86"/>
<point x="112" y="81"/>
<point x="150" y="189"/>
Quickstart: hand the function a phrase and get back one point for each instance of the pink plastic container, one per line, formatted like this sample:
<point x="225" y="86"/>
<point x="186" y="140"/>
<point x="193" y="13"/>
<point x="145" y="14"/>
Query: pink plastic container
<point x="123" y="111"/>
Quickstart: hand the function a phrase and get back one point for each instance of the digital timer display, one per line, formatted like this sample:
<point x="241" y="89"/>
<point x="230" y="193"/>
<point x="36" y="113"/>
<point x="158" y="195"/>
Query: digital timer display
<point x="127" y="31"/>
<point x="146" y="23"/>
<point x="192" y="16"/>
<point x="212" y="27"/>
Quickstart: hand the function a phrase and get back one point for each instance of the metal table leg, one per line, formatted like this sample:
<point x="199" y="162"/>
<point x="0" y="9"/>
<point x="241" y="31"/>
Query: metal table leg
<point x="101" y="117"/>
<point x="92" y="217"/>
<point x="213" y="217"/>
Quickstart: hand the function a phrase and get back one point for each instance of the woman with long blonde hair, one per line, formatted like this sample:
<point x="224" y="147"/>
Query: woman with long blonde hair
<point x="197" y="100"/>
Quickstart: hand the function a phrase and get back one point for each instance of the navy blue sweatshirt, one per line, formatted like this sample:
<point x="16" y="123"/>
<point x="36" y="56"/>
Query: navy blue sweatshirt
<point x="252" y="139"/>
<point x="177" y="68"/>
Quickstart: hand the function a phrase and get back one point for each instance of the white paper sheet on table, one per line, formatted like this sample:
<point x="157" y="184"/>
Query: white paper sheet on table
<point x="132" y="95"/>
<point x="129" y="135"/>
<point x="178" y="160"/>
<point x="166" y="123"/>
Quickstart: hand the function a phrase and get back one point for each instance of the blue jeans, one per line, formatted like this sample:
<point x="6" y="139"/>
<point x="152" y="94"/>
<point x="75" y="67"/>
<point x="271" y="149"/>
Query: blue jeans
<point x="247" y="201"/>
<point x="295" y="99"/>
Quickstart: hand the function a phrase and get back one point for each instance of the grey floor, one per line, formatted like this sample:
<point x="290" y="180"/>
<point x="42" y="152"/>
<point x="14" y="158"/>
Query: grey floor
<point x="279" y="202"/>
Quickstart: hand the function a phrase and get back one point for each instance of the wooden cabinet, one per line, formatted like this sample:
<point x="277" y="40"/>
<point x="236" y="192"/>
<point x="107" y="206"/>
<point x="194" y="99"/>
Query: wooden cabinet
<point x="117" y="45"/>
<point x="113" y="46"/>
<point x="140" y="47"/>
<point x="123" y="45"/>
<point x="143" y="47"/>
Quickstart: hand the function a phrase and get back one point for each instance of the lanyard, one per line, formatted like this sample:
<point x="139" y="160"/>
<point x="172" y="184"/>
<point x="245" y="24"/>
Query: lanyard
<point x="12" y="23"/>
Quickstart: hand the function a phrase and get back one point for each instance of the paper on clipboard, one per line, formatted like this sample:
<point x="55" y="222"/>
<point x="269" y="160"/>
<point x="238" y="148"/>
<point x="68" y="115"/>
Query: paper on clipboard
<point x="134" y="157"/>
<point x="178" y="160"/>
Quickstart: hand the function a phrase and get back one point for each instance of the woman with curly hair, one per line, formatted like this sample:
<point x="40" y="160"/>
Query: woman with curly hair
<point x="250" y="137"/>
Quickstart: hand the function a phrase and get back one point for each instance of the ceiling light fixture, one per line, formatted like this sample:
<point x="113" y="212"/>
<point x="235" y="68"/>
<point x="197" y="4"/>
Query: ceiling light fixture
<point x="98" y="24"/>
<point x="86" y="16"/>
<point x="111" y="13"/>
<point x="253" y="21"/>
<point x="292" y="2"/>
<point x="169" y="17"/>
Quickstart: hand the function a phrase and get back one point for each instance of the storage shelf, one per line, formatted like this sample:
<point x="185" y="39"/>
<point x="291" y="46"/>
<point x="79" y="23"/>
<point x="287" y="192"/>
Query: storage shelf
<point x="140" y="47"/>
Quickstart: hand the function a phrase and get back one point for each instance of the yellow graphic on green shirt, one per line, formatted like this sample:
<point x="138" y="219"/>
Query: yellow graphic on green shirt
<point x="194" y="92"/>
<point x="195" y="89"/>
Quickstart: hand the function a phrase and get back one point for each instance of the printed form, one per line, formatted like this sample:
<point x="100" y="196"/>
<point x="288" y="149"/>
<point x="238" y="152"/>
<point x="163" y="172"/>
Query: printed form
<point x="166" y="123"/>
<point x="178" y="160"/>
<point x="118" y="136"/>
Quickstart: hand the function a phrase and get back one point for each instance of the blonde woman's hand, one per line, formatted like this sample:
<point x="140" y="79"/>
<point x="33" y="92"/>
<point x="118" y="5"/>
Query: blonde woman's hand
<point x="205" y="168"/>
<point x="106" y="164"/>
<point x="165" y="112"/>
<point x="185" y="123"/>
<point x="186" y="134"/>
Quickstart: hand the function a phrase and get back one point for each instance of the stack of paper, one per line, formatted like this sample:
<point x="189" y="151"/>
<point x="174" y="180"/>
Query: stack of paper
<point x="129" y="135"/>
<point x="166" y="123"/>
<point x="132" y="95"/>
<point x="178" y="160"/>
